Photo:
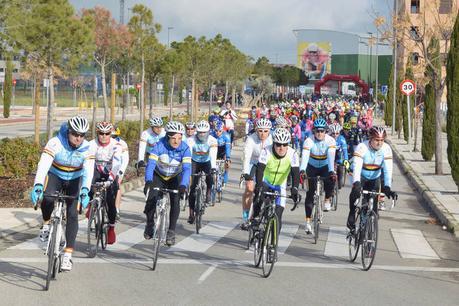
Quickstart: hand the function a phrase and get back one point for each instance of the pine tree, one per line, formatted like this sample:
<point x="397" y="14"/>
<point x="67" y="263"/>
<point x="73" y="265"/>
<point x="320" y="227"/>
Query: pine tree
<point x="428" y="124"/>
<point x="8" y="88"/>
<point x="452" y="125"/>
<point x="389" y="100"/>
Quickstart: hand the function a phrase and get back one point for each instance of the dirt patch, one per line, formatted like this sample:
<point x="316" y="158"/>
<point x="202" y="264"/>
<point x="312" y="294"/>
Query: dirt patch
<point x="13" y="192"/>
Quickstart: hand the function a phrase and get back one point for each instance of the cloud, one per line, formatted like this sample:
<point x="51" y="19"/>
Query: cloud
<point x="257" y="27"/>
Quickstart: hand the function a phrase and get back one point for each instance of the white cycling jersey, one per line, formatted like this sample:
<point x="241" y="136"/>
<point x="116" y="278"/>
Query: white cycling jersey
<point x="147" y="140"/>
<point x="252" y="149"/>
<point x="368" y="163"/>
<point x="319" y="154"/>
<point x="108" y="157"/>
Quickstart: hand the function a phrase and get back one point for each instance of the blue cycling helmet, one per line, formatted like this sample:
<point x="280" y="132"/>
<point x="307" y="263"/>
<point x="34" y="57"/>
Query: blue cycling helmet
<point x="219" y="125"/>
<point x="320" y="124"/>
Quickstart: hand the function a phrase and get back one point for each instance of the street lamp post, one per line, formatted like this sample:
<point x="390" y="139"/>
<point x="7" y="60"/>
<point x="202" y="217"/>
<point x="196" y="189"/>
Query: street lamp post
<point x="168" y="30"/>
<point x="370" y="44"/>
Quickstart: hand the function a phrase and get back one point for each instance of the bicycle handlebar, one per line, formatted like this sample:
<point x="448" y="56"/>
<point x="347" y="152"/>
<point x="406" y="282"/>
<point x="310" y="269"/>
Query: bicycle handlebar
<point x="104" y="184"/>
<point x="166" y="190"/>
<point x="276" y="194"/>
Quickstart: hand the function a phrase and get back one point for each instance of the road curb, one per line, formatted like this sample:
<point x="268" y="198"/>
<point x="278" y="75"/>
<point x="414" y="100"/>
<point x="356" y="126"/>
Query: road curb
<point x="429" y="198"/>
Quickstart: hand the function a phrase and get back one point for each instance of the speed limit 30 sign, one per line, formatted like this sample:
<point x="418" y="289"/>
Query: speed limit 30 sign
<point x="407" y="87"/>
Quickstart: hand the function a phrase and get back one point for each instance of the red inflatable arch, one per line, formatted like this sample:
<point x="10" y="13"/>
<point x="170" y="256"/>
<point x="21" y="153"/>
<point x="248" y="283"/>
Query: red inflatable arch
<point x="342" y="78"/>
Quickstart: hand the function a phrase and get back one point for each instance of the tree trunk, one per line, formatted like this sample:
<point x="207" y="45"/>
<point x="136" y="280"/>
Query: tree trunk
<point x="150" y="97"/>
<point x="94" y="106"/>
<point x="104" y="91"/>
<point x="438" y="134"/>
<point x="226" y="92"/>
<point x="172" y="95"/>
<point x="193" y="102"/>
<point x="123" y="116"/>
<point x="36" y="103"/>
<point x="233" y="95"/>
<point x="142" y="89"/>
<point x="187" y="102"/>
<point x="50" y="114"/>
<point x="113" y="100"/>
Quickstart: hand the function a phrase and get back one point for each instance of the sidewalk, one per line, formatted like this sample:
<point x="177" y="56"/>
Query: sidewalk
<point x="439" y="192"/>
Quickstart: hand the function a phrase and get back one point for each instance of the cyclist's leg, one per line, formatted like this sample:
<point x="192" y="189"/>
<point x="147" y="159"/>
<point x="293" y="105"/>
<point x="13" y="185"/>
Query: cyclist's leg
<point x="174" y="202"/>
<point x="194" y="181"/>
<point x="72" y="188"/>
<point x="206" y="167"/>
<point x="373" y="185"/>
<point x="312" y="184"/>
<point x="257" y="201"/>
<point x="280" y="204"/>
<point x="52" y="184"/>
<point x="150" y="205"/>
<point x="328" y="183"/>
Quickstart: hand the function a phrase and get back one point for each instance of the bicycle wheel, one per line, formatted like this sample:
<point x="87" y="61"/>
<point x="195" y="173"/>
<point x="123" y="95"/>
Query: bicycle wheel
<point x="92" y="231"/>
<point x="353" y="239"/>
<point x="51" y="256"/>
<point x="157" y="237"/>
<point x="335" y="198"/>
<point x="269" y="249"/>
<point x="103" y="228"/>
<point x="197" y="210"/>
<point x="316" y="219"/>
<point x="369" y="240"/>
<point x="257" y="247"/>
<point x="341" y="176"/>
<point x="250" y="239"/>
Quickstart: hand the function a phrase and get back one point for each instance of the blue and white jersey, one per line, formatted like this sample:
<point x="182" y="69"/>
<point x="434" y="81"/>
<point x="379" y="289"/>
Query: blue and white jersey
<point x="168" y="162"/>
<point x="319" y="154"/>
<point x="368" y="163"/>
<point x="224" y="145"/>
<point x="148" y="139"/>
<point x="66" y="162"/>
<point x="202" y="152"/>
<point x="341" y="149"/>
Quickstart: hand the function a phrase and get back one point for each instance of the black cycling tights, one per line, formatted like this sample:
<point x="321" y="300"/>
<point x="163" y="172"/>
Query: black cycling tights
<point x="110" y="195"/>
<point x="70" y="188"/>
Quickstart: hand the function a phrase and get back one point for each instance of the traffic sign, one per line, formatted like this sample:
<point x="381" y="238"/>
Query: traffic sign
<point x="407" y="87"/>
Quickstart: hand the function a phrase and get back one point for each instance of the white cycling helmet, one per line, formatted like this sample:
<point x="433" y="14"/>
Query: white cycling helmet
<point x="78" y="124"/>
<point x="175" y="127"/>
<point x="332" y="116"/>
<point x="281" y="122"/>
<point x="156" y="122"/>
<point x="334" y="128"/>
<point x="281" y="135"/>
<point x="104" y="127"/>
<point x="264" y="123"/>
<point x="202" y="126"/>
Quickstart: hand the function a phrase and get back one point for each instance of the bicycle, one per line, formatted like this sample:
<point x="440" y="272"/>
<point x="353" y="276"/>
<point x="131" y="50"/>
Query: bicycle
<point x="264" y="236"/>
<point x="161" y="221"/>
<point x="317" y="208"/>
<point x="98" y="223"/>
<point x="366" y="229"/>
<point x="217" y="187"/>
<point x="56" y="242"/>
<point x="200" y="204"/>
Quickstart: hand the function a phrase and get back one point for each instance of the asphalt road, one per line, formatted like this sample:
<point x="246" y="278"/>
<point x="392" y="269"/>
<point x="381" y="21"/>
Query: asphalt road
<point x="416" y="262"/>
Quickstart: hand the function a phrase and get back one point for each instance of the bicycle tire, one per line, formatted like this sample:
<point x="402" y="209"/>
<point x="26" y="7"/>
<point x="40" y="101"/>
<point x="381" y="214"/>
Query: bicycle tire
<point x="257" y="248"/>
<point x="104" y="229"/>
<point x="157" y="236"/>
<point x="316" y="219"/>
<point x="98" y="230"/>
<point x="341" y="176"/>
<point x="354" y="240"/>
<point x="369" y="241"/>
<point x="335" y="198"/>
<point x="197" y="210"/>
<point x="250" y="239"/>
<point x="51" y="258"/>
<point x="269" y="243"/>
<point x="91" y="232"/>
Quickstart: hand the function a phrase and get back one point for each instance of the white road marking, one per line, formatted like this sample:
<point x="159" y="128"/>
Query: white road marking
<point x="336" y="245"/>
<point x="208" y="236"/>
<point x="128" y="238"/>
<point x="412" y="244"/>
<point x="229" y="263"/>
<point x="206" y="274"/>
<point x="285" y="238"/>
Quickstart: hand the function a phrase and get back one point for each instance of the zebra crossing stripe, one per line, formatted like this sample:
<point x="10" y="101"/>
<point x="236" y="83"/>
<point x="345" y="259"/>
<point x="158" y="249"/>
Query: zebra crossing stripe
<point x="412" y="244"/>
<point x="207" y="237"/>
<point x="336" y="245"/>
<point x="129" y="238"/>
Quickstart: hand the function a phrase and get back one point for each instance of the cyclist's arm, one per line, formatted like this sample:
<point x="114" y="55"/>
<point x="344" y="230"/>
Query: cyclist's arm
<point x="387" y="165"/>
<point x="305" y="155"/>
<point x="186" y="167"/>
<point x="331" y="152"/>
<point x="344" y="148"/>
<point x="44" y="164"/>
<point x="151" y="164"/>
<point x="125" y="160"/>
<point x="213" y="150"/>
<point x="142" y="145"/>
<point x="358" y="163"/>
<point x="248" y="149"/>
<point x="295" y="170"/>
<point x="88" y="167"/>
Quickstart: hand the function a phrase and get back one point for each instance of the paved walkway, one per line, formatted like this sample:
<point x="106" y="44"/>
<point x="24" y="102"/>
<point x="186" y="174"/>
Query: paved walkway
<point x="439" y="191"/>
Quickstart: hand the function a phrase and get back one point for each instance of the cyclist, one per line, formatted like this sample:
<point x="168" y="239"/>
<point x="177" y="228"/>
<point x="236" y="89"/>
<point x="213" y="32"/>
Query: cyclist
<point x="229" y="116"/>
<point x="341" y="156"/>
<point x="124" y="163"/>
<point x="318" y="160"/>
<point x="169" y="166"/>
<point x="107" y="166"/>
<point x="275" y="163"/>
<point x="204" y="158"/>
<point x="224" y="147"/>
<point x="369" y="157"/>
<point x="67" y="164"/>
<point x="149" y="138"/>
<point x="214" y="117"/>
<point x="253" y="146"/>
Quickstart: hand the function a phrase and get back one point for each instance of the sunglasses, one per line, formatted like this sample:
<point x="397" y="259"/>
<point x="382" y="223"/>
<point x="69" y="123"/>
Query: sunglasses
<point x="189" y="129"/>
<point x="263" y="131"/>
<point x="106" y="134"/>
<point x="75" y="134"/>
<point x="319" y="131"/>
<point x="281" y="144"/>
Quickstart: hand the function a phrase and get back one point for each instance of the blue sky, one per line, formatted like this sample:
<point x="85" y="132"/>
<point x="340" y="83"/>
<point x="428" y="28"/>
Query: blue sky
<point x="256" y="27"/>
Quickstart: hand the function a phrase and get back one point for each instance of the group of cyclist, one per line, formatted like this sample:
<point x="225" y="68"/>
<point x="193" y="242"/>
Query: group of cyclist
<point x="284" y="144"/>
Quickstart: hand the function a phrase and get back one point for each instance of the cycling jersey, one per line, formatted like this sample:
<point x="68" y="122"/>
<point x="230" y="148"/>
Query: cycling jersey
<point x="277" y="169"/>
<point x="202" y="152"/>
<point x="66" y="162"/>
<point x="319" y="154"/>
<point x="148" y="139"/>
<point x="341" y="150"/>
<point x="249" y="126"/>
<point x="368" y="162"/>
<point x="252" y="149"/>
<point x="229" y="116"/>
<point x="168" y="162"/>
<point x="224" y="145"/>
<point x="108" y="157"/>
<point x="124" y="156"/>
